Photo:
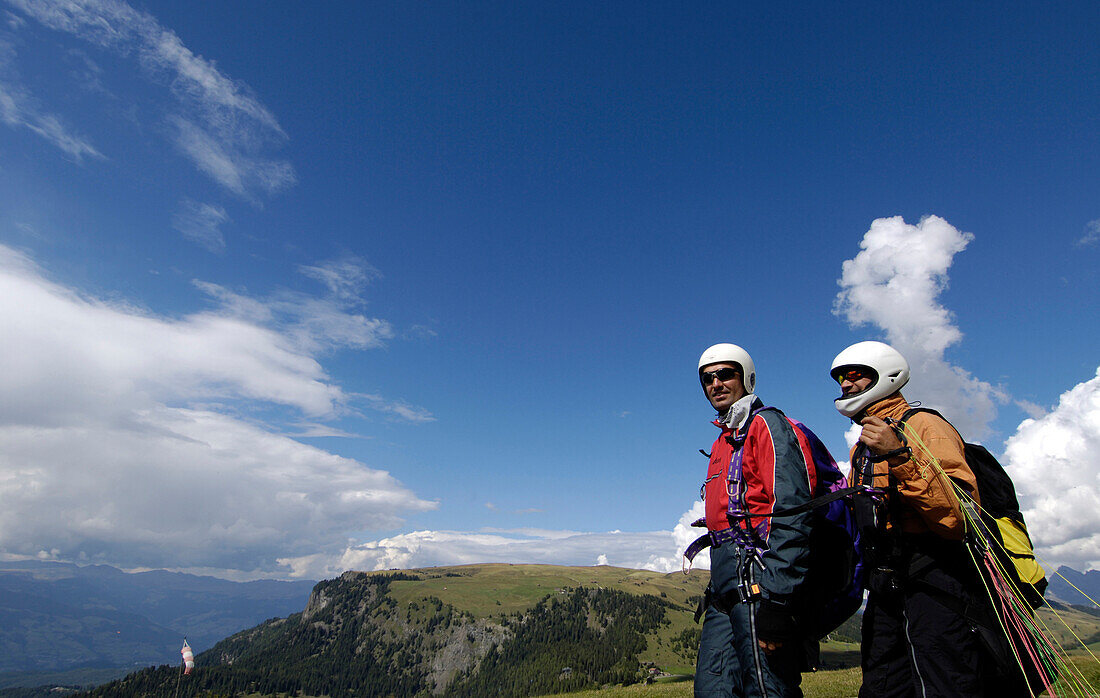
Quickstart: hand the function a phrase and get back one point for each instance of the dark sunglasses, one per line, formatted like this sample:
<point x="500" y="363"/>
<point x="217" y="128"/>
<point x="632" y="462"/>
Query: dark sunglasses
<point x="851" y="375"/>
<point x="723" y="374"/>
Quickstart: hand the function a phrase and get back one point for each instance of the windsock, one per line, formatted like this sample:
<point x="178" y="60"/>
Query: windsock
<point x="188" y="657"/>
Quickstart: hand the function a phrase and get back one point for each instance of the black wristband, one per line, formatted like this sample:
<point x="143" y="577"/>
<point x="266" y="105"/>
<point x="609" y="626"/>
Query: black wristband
<point x="889" y="454"/>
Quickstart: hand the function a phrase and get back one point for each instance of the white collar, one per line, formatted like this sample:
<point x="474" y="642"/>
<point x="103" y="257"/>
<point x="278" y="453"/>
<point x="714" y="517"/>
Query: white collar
<point x="738" y="413"/>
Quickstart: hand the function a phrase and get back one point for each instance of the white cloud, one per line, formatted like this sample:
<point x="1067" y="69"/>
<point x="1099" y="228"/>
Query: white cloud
<point x="419" y="332"/>
<point x="184" y="488"/>
<point x="399" y="408"/>
<point x="1030" y="408"/>
<point x="312" y="324"/>
<point x="119" y="441"/>
<point x="894" y="283"/>
<point x="323" y="323"/>
<point x="326" y="323"/>
<point x="851" y="436"/>
<point x="345" y="278"/>
<point x="1055" y="462"/>
<point x="218" y="123"/>
<point x="314" y="430"/>
<point x="114" y="24"/>
<point x="201" y="223"/>
<point x="1092" y="233"/>
<point x="87" y="73"/>
<point x="19" y="109"/>
<point x="660" y="551"/>
<point x="228" y="165"/>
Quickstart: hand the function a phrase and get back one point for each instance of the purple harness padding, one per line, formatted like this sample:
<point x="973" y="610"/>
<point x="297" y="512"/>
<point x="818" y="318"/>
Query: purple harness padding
<point x="750" y="539"/>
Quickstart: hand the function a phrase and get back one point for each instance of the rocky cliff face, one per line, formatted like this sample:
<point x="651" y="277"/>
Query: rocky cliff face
<point x="353" y="632"/>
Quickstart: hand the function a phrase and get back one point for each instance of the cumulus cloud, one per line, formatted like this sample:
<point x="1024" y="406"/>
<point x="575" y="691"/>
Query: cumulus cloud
<point x="122" y="440"/>
<point x="660" y="551"/>
<point x="183" y="488"/>
<point x="218" y="123"/>
<point x="894" y="284"/>
<point x="1055" y="462"/>
<point x="439" y="548"/>
<point x="201" y="223"/>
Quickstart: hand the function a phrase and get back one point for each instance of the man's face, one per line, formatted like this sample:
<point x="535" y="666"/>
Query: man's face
<point x="723" y="393"/>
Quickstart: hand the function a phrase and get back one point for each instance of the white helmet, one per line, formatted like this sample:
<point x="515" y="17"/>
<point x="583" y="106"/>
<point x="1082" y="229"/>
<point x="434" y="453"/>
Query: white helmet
<point x="889" y="369"/>
<point x="731" y="354"/>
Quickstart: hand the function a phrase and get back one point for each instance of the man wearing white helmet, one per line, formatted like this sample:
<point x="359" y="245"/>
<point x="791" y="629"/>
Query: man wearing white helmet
<point x="915" y="640"/>
<point x="751" y="644"/>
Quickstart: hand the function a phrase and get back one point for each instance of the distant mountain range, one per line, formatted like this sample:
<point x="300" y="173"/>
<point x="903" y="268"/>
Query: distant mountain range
<point x="56" y="616"/>
<point x="1087" y="582"/>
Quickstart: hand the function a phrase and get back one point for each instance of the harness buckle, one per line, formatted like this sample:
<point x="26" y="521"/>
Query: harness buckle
<point x="748" y="591"/>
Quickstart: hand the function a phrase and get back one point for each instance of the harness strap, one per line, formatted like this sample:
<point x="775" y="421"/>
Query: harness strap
<point x="819" y="501"/>
<point x="746" y="537"/>
<point x="711" y="539"/>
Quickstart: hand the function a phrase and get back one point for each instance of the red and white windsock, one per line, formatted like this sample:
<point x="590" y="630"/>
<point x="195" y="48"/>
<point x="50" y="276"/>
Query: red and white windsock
<point x="188" y="657"/>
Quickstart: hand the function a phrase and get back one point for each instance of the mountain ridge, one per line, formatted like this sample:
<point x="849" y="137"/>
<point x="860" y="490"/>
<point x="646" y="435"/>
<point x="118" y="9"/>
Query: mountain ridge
<point x="457" y="631"/>
<point x="56" y="617"/>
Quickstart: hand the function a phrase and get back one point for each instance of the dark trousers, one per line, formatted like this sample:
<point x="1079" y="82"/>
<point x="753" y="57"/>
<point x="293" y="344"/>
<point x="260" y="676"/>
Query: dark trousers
<point x="731" y="664"/>
<point x="917" y="646"/>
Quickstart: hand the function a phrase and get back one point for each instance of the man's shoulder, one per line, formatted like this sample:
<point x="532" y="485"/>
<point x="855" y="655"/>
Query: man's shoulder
<point x="925" y="416"/>
<point x="930" y="424"/>
<point x="770" y="418"/>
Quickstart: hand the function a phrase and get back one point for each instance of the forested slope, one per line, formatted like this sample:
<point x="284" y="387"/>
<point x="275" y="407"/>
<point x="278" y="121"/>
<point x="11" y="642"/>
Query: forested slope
<point x="520" y="630"/>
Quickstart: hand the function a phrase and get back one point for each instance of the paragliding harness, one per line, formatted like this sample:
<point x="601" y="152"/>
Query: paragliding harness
<point x="833" y="588"/>
<point x="996" y="527"/>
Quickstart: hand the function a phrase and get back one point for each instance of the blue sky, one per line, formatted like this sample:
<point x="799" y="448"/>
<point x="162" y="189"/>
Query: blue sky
<point x="291" y="289"/>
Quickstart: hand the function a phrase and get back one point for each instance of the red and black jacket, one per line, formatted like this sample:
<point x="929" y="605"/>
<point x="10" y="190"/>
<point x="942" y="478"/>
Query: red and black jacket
<point x="777" y="473"/>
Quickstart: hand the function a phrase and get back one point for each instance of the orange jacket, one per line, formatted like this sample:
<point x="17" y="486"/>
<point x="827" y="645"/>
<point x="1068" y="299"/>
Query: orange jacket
<point x="920" y="501"/>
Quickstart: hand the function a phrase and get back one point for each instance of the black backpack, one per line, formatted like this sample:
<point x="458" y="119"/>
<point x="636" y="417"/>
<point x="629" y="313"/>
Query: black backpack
<point x="1002" y="524"/>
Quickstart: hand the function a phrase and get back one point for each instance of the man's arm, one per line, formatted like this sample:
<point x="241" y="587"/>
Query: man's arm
<point x="926" y="488"/>
<point x="777" y="476"/>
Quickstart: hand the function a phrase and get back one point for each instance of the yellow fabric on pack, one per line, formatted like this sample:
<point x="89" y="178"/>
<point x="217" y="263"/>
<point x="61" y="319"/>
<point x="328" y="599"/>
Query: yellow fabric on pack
<point x="1018" y="545"/>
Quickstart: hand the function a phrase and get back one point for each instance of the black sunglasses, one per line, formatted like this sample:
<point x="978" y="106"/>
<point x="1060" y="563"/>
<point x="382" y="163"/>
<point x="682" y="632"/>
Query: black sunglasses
<point x="723" y="374"/>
